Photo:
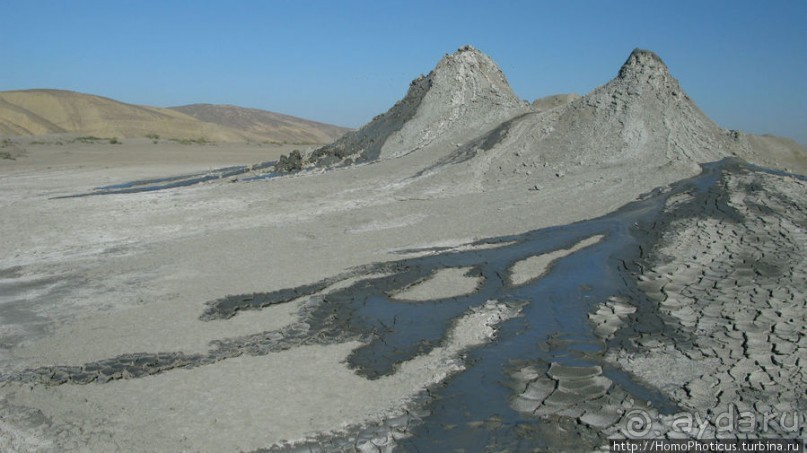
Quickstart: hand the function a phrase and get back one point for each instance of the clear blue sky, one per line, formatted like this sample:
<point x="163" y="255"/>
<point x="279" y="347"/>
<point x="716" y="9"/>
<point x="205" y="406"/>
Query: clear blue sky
<point x="743" y="62"/>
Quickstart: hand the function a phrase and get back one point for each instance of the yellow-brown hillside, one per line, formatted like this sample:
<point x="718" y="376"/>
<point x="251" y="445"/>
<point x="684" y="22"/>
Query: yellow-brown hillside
<point x="37" y="112"/>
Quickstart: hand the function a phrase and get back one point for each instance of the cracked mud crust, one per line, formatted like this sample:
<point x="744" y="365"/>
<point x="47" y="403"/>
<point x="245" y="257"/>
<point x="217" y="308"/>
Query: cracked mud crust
<point x="733" y="281"/>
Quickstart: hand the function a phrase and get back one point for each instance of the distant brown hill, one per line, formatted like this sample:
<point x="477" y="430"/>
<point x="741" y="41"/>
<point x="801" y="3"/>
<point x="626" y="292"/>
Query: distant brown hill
<point x="37" y="112"/>
<point x="283" y="128"/>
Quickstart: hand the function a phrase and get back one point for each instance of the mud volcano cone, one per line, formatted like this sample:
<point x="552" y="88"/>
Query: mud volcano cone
<point x="465" y="94"/>
<point x="641" y="119"/>
<point x="643" y="116"/>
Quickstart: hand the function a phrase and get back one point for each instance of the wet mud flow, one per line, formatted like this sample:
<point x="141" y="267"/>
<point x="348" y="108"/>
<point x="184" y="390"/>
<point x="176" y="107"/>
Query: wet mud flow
<point x="553" y="329"/>
<point x="171" y="182"/>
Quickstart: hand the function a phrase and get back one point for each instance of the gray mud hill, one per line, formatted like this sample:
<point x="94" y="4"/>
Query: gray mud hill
<point x="642" y="117"/>
<point x="465" y="112"/>
<point x="642" y="114"/>
<point x="465" y="94"/>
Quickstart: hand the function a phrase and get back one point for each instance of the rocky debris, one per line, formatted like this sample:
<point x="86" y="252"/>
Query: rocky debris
<point x="291" y="163"/>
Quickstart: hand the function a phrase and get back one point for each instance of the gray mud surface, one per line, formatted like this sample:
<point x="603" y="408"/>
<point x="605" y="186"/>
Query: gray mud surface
<point x="365" y="144"/>
<point x="563" y="373"/>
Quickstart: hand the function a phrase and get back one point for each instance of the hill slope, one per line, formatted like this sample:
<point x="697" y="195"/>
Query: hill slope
<point x="36" y="112"/>
<point x="282" y="128"/>
<point x="642" y="117"/>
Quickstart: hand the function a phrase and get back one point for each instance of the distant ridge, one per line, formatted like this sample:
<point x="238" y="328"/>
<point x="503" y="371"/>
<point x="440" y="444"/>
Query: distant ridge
<point x="281" y="128"/>
<point x="41" y="111"/>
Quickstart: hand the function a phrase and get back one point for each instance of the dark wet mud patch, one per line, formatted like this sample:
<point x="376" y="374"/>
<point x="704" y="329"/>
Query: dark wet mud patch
<point x="172" y="182"/>
<point x="228" y="306"/>
<point x="127" y="366"/>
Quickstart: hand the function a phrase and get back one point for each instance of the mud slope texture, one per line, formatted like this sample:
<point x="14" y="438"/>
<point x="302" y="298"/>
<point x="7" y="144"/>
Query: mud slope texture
<point x="640" y="118"/>
<point x="464" y="95"/>
<point x="468" y="93"/>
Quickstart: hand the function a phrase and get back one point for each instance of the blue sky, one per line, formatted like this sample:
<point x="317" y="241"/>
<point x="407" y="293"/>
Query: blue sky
<point x="343" y="62"/>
